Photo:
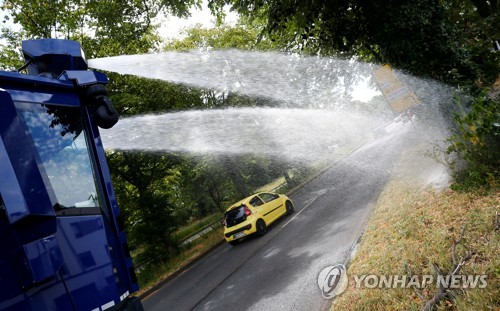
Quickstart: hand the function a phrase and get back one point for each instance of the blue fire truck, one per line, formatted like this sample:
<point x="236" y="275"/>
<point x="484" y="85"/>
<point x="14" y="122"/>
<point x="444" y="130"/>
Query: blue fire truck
<point x="62" y="239"/>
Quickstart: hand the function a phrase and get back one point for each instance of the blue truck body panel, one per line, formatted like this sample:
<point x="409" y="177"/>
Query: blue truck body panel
<point x="62" y="241"/>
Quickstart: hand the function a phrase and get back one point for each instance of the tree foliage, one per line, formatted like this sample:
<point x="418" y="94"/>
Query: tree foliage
<point x="244" y="37"/>
<point x="146" y="186"/>
<point x="104" y="28"/>
<point x="477" y="141"/>
<point x="426" y="37"/>
<point x="132" y="95"/>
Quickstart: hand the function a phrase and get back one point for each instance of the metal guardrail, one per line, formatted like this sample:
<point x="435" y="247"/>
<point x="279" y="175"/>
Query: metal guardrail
<point x="201" y="232"/>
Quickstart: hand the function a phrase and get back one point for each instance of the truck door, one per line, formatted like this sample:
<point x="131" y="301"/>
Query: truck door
<point x="52" y="167"/>
<point x="30" y="255"/>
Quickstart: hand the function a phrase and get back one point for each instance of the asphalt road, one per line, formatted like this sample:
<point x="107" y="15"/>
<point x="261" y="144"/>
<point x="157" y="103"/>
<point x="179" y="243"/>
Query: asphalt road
<point x="279" y="270"/>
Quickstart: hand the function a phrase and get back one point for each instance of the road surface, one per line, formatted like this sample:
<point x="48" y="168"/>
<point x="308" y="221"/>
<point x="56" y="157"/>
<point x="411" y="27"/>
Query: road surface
<point x="279" y="270"/>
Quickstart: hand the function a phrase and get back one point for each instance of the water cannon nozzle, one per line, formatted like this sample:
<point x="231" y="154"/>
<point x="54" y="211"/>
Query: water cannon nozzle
<point x="50" y="57"/>
<point x="103" y="111"/>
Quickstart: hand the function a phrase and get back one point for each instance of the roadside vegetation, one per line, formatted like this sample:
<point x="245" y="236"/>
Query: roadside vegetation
<point x="196" y="226"/>
<point x="417" y="231"/>
<point x="152" y="275"/>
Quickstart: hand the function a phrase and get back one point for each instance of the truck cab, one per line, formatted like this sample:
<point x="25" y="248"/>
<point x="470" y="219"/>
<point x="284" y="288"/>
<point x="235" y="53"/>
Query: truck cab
<point x="62" y="239"/>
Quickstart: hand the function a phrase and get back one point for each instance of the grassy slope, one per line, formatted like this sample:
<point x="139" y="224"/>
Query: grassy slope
<point x="197" y="225"/>
<point x="412" y="228"/>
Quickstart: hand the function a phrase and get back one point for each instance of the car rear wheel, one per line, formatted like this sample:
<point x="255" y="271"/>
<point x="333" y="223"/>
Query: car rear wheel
<point x="289" y="208"/>
<point x="234" y="242"/>
<point x="261" y="227"/>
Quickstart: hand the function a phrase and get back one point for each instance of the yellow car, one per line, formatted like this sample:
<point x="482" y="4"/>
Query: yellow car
<point x="253" y="214"/>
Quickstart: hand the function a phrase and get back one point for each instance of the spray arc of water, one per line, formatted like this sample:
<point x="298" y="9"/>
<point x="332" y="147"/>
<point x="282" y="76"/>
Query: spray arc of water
<point x="318" y="93"/>
<point x="317" y="111"/>
<point x="287" y="133"/>
<point x="299" y="81"/>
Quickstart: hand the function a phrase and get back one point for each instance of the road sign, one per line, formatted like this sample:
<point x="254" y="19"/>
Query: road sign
<point x="398" y="94"/>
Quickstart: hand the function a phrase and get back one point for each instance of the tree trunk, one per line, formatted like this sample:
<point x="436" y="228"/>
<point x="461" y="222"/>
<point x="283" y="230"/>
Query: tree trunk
<point x="237" y="178"/>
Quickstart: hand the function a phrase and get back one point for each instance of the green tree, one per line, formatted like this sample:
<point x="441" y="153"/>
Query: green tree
<point x="146" y="186"/>
<point x="132" y="95"/>
<point x="426" y="37"/>
<point x="104" y="28"/>
<point x="242" y="36"/>
<point x="10" y="57"/>
<point x="477" y="141"/>
<point x="207" y="180"/>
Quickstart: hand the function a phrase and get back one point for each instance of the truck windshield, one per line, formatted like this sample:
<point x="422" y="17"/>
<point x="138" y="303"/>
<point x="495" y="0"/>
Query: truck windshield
<point x="61" y="142"/>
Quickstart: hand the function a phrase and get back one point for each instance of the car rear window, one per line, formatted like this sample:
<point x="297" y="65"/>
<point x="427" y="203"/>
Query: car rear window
<point x="235" y="216"/>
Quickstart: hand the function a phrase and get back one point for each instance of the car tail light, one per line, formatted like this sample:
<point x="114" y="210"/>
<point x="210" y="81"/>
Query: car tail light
<point x="248" y="212"/>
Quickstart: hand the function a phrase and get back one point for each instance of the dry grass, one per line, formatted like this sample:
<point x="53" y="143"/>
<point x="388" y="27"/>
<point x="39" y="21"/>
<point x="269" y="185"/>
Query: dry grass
<point x="414" y="228"/>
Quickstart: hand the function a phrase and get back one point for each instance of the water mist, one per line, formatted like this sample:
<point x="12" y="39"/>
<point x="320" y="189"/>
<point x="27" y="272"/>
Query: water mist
<point x="324" y="106"/>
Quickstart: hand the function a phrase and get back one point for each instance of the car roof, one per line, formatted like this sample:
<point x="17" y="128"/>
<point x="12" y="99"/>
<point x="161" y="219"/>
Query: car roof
<point x="245" y="200"/>
<point x="239" y="203"/>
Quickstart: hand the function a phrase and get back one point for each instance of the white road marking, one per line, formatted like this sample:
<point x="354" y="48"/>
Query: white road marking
<point x="298" y="213"/>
